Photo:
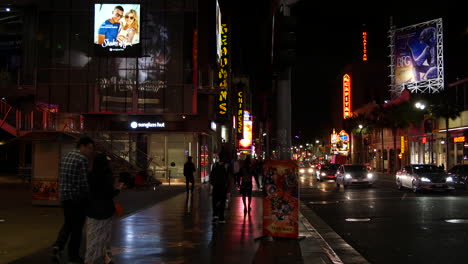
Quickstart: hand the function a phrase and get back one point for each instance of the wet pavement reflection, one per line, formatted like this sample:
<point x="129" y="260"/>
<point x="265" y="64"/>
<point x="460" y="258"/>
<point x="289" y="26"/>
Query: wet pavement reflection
<point x="387" y="225"/>
<point x="180" y="230"/>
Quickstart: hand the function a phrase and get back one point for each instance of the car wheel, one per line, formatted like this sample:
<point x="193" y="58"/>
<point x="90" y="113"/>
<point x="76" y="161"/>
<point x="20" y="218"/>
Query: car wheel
<point x="414" y="187"/>
<point x="399" y="186"/>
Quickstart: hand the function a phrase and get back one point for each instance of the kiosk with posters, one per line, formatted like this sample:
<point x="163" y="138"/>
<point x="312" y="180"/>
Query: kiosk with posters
<point x="281" y="199"/>
<point x="47" y="150"/>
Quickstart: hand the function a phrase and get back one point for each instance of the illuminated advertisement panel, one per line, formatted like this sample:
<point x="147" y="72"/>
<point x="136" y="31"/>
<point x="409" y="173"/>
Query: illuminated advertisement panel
<point x="218" y="31"/>
<point x="417" y="55"/>
<point x="246" y="142"/>
<point x="117" y="29"/>
<point x="347" y="96"/>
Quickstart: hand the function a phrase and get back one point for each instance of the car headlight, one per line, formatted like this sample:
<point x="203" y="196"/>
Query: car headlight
<point x="323" y="174"/>
<point x="449" y="179"/>
<point x="369" y="175"/>
<point x="311" y="170"/>
<point x="424" y="179"/>
<point x="348" y="176"/>
<point x="301" y="171"/>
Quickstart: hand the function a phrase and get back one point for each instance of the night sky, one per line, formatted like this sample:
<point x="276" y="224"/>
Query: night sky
<point x="328" y="38"/>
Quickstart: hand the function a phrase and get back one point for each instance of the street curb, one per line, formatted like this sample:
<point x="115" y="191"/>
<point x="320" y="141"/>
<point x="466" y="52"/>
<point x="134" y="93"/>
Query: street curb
<point x="331" y="242"/>
<point x="332" y="256"/>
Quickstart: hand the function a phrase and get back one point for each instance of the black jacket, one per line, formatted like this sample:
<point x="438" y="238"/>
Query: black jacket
<point x="101" y="195"/>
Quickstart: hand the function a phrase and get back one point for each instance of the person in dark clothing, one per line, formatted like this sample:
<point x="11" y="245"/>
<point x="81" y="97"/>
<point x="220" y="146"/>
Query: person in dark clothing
<point x="219" y="180"/>
<point x="73" y="193"/>
<point x="189" y="169"/>
<point x="246" y="183"/>
<point x="100" y="210"/>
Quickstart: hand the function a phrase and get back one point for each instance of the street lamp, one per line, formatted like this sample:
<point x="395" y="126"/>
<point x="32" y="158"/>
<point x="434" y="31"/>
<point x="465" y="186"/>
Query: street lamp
<point x="420" y="105"/>
<point x="361" y="152"/>
<point x="317" y="141"/>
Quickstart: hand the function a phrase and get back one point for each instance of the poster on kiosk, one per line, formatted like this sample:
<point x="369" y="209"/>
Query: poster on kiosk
<point x="281" y="199"/>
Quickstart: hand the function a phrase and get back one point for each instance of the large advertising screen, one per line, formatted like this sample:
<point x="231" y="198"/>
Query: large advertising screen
<point x="418" y="57"/>
<point x="117" y="29"/>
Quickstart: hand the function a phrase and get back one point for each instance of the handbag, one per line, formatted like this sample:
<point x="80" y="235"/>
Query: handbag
<point x="118" y="208"/>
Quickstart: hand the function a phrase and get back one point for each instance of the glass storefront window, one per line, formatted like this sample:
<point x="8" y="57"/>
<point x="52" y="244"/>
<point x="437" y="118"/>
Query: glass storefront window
<point x="169" y="153"/>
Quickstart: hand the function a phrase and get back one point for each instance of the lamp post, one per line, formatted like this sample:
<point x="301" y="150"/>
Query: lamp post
<point x="362" y="144"/>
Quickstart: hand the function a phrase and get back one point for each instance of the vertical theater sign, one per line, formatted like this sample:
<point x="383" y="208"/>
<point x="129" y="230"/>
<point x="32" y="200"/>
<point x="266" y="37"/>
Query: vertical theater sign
<point x="223" y="73"/>
<point x="347" y="96"/>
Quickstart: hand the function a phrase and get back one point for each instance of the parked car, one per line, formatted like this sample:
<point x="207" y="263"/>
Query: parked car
<point x="423" y="177"/>
<point x="354" y="174"/>
<point x="459" y="174"/>
<point x="327" y="171"/>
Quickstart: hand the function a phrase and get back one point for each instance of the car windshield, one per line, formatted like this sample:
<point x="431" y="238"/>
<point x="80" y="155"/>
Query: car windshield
<point x="426" y="169"/>
<point x="355" y="168"/>
<point x="330" y="167"/>
<point x="464" y="169"/>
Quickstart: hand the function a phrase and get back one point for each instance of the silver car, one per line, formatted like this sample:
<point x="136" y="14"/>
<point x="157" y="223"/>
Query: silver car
<point x="423" y="177"/>
<point x="352" y="174"/>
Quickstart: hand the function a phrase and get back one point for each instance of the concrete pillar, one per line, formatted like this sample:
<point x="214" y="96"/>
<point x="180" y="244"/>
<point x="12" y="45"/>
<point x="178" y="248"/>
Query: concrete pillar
<point x="283" y="107"/>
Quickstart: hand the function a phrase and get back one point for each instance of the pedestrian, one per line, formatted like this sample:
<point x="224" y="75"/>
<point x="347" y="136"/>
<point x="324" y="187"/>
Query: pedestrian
<point x="246" y="184"/>
<point x="99" y="211"/>
<point x="236" y="170"/>
<point x="256" y="172"/>
<point x="73" y="194"/>
<point x="219" y="181"/>
<point x="189" y="169"/>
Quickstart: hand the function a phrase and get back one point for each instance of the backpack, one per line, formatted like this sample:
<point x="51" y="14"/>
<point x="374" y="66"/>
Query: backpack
<point x="219" y="176"/>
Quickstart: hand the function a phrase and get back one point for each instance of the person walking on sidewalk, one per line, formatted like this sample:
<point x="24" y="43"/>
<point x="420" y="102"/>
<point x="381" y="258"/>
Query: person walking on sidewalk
<point x="236" y="170"/>
<point x="73" y="193"/>
<point x="99" y="211"/>
<point x="219" y="181"/>
<point x="246" y="184"/>
<point x="189" y="169"/>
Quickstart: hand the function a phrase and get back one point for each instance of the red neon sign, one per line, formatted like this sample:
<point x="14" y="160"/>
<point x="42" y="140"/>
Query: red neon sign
<point x="364" y="46"/>
<point x="346" y="96"/>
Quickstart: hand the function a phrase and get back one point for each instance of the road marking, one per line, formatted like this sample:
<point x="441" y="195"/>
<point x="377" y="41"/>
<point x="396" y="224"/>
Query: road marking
<point x="357" y="219"/>
<point x="323" y="244"/>
<point x="457" y="221"/>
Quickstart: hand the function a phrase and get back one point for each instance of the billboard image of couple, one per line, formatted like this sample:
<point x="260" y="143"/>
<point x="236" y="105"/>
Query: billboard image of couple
<point x="416" y="54"/>
<point x="117" y="29"/>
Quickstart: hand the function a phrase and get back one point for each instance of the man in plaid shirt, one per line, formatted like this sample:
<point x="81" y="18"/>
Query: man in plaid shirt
<point x="73" y="192"/>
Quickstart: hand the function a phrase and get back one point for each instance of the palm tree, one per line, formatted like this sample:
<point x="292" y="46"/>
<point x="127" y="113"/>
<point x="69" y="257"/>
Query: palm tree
<point x="400" y="117"/>
<point x="445" y="105"/>
<point x="379" y="120"/>
<point x="358" y="124"/>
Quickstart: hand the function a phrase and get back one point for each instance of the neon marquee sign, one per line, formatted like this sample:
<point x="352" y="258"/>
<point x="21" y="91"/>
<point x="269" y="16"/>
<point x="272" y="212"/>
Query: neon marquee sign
<point x="347" y="96"/>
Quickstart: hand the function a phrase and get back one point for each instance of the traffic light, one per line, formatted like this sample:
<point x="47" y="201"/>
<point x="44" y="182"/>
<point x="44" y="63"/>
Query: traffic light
<point x="286" y="40"/>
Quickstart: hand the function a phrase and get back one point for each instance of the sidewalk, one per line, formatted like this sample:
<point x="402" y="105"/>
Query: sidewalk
<point x="27" y="230"/>
<point x="179" y="230"/>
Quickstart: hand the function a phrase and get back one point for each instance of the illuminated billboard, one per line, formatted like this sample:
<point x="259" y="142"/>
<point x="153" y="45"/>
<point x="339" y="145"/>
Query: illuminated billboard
<point x="417" y="58"/>
<point x="218" y="31"/>
<point x="117" y="29"/>
<point x="246" y="142"/>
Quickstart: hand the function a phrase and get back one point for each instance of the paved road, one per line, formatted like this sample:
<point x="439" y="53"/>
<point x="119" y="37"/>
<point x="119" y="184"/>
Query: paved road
<point x="403" y="227"/>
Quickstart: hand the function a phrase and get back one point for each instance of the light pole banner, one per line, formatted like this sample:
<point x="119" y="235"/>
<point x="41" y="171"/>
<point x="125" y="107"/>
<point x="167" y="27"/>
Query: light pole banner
<point x="281" y="199"/>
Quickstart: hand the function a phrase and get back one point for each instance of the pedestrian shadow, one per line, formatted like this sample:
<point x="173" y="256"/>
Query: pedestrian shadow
<point x="278" y="250"/>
